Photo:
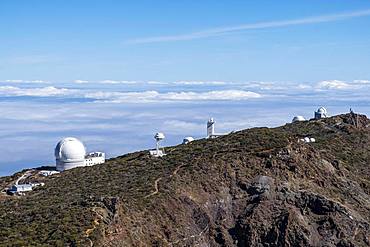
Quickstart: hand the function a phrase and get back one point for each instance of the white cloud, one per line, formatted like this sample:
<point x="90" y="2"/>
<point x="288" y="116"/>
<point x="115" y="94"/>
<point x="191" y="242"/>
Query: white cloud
<point x="109" y="82"/>
<point x="269" y="85"/>
<point x="191" y="83"/>
<point x="362" y="81"/>
<point x="14" y="81"/>
<point x="37" y="92"/>
<point x="152" y="96"/>
<point x="157" y="83"/>
<point x="135" y="97"/>
<point x="201" y="82"/>
<point x="26" y="81"/>
<point x="38" y="81"/>
<point x="333" y="84"/>
<point x="252" y="26"/>
<point x="304" y="86"/>
<point x="80" y="81"/>
<point x="117" y="82"/>
<point x="212" y="95"/>
<point x="118" y="97"/>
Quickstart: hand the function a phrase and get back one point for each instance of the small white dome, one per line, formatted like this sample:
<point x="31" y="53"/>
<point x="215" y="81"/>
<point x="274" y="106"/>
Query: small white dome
<point x="307" y="139"/>
<point x="298" y="119"/>
<point x="187" y="140"/>
<point x="159" y="136"/>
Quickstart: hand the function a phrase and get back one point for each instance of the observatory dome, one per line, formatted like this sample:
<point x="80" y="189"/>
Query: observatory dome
<point x="321" y="113"/>
<point x="298" y="119"/>
<point x="322" y="110"/>
<point x="69" y="153"/>
<point x="159" y="136"/>
<point x="187" y="140"/>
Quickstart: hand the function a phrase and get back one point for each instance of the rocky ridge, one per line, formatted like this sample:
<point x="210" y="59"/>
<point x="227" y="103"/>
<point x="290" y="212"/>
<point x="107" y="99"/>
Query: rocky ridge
<point x="256" y="187"/>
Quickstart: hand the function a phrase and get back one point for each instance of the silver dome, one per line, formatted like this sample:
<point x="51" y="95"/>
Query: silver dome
<point x="69" y="153"/>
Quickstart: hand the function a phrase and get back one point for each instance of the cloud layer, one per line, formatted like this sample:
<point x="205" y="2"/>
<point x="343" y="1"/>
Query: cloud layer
<point x="156" y="91"/>
<point x="36" y="92"/>
<point x="154" y="96"/>
<point x="133" y="97"/>
<point x="25" y="81"/>
<point x="108" y="114"/>
<point x="334" y="84"/>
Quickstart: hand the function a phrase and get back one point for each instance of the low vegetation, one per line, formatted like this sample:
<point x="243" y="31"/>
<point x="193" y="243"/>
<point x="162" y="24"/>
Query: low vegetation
<point x="256" y="186"/>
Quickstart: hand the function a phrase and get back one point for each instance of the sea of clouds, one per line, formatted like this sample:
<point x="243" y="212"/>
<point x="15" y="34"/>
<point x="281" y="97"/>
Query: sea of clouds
<point x="118" y="116"/>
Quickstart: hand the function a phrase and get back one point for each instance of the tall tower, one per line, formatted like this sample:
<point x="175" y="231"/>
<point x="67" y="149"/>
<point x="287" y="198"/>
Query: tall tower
<point x="159" y="137"/>
<point x="210" y="128"/>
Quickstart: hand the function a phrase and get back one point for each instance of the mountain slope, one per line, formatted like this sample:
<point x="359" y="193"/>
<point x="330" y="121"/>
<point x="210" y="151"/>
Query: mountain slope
<point x="256" y="187"/>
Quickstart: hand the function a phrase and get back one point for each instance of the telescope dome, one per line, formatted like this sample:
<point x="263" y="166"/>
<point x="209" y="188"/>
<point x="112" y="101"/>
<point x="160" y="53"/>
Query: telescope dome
<point x="159" y="136"/>
<point x="322" y="110"/>
<point x="298" y="119"/>
<point x="69" y="153"/>
<point x="187" y="140"/>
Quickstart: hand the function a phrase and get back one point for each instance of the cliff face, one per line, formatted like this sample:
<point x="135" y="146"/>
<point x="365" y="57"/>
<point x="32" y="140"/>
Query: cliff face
<point x="257" y="187"/>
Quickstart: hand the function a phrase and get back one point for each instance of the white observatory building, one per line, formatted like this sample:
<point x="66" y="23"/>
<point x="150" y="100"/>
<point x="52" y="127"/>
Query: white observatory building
<point x="321" y="113"/>
<point x="211" y="129"/>
<point x="298" y="119"/>
<point x="71" y="153"/>
<point x="187" y="140"/>
<point x="158" y="152"/>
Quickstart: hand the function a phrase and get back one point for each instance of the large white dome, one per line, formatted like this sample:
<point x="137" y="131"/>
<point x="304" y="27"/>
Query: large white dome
<point x="69" y="153"/>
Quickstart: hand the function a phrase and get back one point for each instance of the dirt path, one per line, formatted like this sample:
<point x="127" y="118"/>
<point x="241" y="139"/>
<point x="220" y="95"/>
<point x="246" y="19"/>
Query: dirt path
<point x="155" y="188"/>
<point x="90" y="230"/>
<point x="176" y="170"/>
<point x="24" y="176"/>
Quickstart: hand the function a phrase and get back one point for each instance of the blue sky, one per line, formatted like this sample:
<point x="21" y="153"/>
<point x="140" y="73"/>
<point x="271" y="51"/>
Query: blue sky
<point x="114" y="72"/>
<point x="92" y="40"/>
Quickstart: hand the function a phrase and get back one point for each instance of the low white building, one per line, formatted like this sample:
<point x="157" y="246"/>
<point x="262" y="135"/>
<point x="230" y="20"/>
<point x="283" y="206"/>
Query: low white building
<point x="94" y="158"/>
<point x="70" y="153"/>
<point x="187" y="140"/>
<point x="211" y="129"/>
<point x="156" y="153"/>
<point x="18" y="188"/>
<point x="21" y="188"/>
<point x="47" y="173"/>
